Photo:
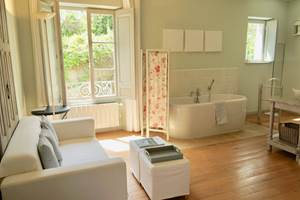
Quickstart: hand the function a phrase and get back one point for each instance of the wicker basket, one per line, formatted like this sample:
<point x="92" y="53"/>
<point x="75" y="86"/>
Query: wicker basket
<point x="289" y="132"/>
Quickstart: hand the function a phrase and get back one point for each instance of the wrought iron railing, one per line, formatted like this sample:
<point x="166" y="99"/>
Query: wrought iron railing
<point x="83" y="89"/>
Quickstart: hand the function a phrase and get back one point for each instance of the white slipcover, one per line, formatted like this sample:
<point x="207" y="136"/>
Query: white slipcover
<point x="82" y="152"/>
<point x="87" y="172"/>
<point x="165" y="179"/>
<point x="21" y="154"/>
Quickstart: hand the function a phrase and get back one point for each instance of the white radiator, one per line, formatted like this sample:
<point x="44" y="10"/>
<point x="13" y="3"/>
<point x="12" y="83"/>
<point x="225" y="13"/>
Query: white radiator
<point x="106" y="115"/>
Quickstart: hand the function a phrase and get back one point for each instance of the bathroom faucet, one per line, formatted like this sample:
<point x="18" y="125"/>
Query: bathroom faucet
<point x="197" y="95"/>
<point x="211" y="85"/>
<point x="209" y="88"/>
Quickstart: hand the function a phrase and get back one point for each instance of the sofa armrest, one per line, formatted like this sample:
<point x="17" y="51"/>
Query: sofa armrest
<point x="74" y="128"/>
<point x="93" y="181"/>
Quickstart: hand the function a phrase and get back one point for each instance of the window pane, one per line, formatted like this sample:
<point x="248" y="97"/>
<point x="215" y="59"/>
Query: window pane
<point x="103" y="55"/>
<point x="104" y="83"/>
<point x="255" y="41"/>
<point x="102" y="28"/>
<point x="104" y="75"/>
<point x="75" y="53"/>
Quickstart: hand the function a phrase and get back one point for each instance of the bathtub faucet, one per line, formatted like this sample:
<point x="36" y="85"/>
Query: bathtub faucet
<point x="209" y="88"/>
<point x="197" y="95"/>
<point x="211" y="85"/>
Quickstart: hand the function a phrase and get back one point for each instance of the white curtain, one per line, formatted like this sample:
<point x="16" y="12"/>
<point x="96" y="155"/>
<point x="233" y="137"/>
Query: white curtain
<point x="51" y="67"/>
<point x="127" y="4"/>
<point x="132" y="115"/>
<point x="47" y="59"/>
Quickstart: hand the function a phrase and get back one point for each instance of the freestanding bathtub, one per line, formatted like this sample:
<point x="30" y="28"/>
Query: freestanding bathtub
<point x="191" y="120"/>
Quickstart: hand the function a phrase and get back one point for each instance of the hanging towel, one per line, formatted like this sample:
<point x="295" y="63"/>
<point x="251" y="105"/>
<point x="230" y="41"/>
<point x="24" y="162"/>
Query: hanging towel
<point x="221" y="113"/>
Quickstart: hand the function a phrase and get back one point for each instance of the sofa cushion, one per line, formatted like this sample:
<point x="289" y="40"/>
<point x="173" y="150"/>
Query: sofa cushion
<point x="47" y="154"/>
<point x="50" y="136"/>
<point x="21" y="154"/>
<point x="82" y="151"/>
<point x="45" y="123"/>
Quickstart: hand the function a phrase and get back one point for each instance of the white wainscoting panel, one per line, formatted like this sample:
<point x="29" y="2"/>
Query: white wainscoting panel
<point x="183" y="81"/>
<point x="106" y="115"/>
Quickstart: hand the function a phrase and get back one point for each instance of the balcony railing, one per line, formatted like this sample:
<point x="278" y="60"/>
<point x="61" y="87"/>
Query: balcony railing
<point x="78" y="90"/>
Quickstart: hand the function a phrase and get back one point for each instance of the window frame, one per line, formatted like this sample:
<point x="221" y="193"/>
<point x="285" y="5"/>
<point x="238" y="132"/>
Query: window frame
<point x="256" y="21"/>
<point x="93" y="99"/>
<point x="89" y="12"/>
<point x="263" y="21"/>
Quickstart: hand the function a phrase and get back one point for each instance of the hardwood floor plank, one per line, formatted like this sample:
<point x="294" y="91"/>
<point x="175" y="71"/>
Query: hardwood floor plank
<point x="228" y="167"/>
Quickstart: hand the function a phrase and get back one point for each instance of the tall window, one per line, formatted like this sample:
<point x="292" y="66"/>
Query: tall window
<point x="102" y="54"/>
<point x="89" y="54"/>
<point x="261" y="40"/>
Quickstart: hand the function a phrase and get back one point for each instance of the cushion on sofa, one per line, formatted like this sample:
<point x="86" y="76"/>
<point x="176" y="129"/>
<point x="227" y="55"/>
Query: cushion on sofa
<point x="47" y="154"/>
<point x="77" y="152"/>
<point x="50" y="136"/>
<point x="21" y="154"/>
<point x="45" y="123"/>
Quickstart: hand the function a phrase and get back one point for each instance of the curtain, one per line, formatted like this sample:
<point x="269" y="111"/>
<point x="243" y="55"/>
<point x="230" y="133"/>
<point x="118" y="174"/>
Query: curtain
<point x="47" y="52"/>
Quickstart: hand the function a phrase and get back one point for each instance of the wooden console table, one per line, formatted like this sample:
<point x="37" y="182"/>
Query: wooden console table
<point x="273" y="140"/>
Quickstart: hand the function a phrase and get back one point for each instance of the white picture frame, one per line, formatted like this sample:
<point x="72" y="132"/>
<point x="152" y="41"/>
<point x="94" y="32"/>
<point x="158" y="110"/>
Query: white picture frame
<point x="173" y="40"/>
<point x="194" y="40"/>
<point x="213" y="41"/>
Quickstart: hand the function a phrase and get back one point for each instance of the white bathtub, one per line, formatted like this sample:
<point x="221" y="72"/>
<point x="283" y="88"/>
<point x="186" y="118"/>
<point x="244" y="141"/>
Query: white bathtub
<point x="190" y="120"/>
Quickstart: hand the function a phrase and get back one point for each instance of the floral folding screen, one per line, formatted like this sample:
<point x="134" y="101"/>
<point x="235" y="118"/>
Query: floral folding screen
<point x="155" y="90"/>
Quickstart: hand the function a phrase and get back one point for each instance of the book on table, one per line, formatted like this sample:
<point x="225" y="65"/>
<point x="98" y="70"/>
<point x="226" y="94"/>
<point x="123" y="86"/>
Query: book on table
<point x="148" y="142"/>
<point x="163" y="153"/>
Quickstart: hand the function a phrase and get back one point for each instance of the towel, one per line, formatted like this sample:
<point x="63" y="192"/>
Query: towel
<point x="221" y="113"/>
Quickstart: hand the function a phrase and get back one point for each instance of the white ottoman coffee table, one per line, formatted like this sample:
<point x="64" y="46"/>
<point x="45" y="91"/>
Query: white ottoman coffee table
<point x="134" y="156"/>
<point x="165" y="179"/>
<point x="160" y="180"/>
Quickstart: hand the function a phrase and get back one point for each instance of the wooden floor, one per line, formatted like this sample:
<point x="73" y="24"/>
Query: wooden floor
<point x="228" y="167"/>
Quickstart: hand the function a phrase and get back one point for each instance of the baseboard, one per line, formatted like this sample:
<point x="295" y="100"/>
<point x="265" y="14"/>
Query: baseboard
<point x="252" y="113"/>
<point x="255" y="112"/>
<point x="102" y="130"/>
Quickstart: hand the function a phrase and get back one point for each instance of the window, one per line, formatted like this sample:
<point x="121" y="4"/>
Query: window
<point x="261" y="40"/>
<point x="255" y="40"/>
<point x="89" y="54"/>
<point x="102" y="54"/>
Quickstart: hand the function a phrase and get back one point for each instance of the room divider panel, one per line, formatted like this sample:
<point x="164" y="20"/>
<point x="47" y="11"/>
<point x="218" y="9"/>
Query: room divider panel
<point x="8" y="103"/>
<point x="155" y="91"/>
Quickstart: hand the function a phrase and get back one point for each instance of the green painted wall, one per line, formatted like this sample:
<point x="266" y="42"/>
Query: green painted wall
<point x="229" y="16"/>
<point x="291" y="75"/>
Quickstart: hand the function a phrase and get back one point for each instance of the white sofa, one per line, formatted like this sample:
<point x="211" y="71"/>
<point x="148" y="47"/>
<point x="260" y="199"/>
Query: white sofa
<point x="87" y="172"/>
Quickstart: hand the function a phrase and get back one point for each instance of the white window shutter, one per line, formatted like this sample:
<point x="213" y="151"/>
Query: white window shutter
<point x="270" y="40"/>
<point x="125" y="52"/>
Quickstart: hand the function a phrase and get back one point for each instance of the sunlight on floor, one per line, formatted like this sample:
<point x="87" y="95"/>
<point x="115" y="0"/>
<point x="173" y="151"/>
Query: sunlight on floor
<point x="118" y="144"/>
<point x="129" y="138"/>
